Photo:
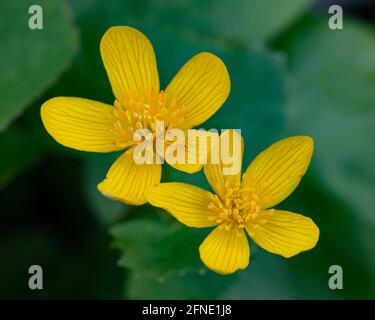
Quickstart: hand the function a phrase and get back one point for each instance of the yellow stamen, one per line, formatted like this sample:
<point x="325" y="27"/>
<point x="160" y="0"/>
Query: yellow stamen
<point x="139" y="110"/>
<point x="238" y="208"/>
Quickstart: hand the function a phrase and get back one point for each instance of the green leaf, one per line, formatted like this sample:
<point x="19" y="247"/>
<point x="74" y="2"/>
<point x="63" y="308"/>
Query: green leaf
<point x="255" y="21"/>
<point x="31" y="60"/>
<point x="333" y="99"/>
<point x="337" y="107"/>
<point x="174" y="246"/>
<point x="164" y="260"/>
<point x="18" y="152"/>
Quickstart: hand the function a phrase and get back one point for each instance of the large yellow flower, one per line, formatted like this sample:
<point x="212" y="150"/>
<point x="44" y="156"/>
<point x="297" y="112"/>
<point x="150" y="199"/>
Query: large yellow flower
<point x="244" y="204"/>
<point x="196" y="92"/>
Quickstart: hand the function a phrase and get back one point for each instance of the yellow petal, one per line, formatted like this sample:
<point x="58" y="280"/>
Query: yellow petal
<point x="284" y="232"/>
<point x="80" y="124"/>
<point x="127" y="181"/>
<point x="187" y="203"/>
<point x="190" y="152"/>
<point x="201" y="87"/>
<point x="188" y="168"/>
<point x="231" y="143"/>
<point x="277" y="171"/>
<point x="129" y="59"/>
<point x="225" y="251"/>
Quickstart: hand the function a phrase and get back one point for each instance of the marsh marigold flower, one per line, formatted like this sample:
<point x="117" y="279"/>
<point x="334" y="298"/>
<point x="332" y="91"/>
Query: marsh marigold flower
<point x="196" y="92"/>
<point x="245" y="204"/>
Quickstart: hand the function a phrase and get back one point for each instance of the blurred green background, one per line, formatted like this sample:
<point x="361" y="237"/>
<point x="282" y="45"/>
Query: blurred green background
<point x="290" y="74"/>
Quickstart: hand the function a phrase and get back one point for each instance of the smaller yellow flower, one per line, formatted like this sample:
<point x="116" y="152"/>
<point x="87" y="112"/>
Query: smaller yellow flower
<point x="245" y="204"/>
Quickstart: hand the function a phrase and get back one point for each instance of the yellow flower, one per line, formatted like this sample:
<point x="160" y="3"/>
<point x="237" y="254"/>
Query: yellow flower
<point x="245" y="204"/>
<point x="196" y="92"/>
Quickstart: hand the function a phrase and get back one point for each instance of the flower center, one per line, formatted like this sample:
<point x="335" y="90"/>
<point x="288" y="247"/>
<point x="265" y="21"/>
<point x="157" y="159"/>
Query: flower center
<point x="137" y="110"/>
<point x="236" y="209"/>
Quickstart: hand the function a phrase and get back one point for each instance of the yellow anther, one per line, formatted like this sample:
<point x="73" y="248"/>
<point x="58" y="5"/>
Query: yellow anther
<point x="137" y="110"/>
<point x="238" y="207"/>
